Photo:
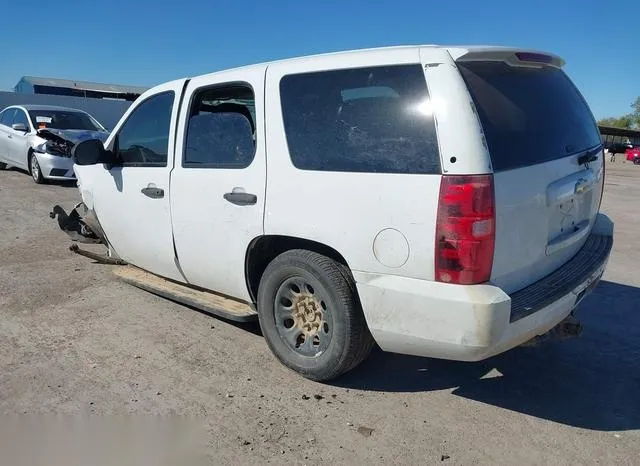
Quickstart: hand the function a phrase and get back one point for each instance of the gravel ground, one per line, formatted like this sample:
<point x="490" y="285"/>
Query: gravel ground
<point x="75" y="341"/>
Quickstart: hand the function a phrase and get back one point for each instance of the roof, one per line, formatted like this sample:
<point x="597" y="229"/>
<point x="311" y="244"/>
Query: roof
<point x="83" y="85"/>
<point x="613" y="131"/>
<point x="456" y="51"/>
<point x="47" y="107"/>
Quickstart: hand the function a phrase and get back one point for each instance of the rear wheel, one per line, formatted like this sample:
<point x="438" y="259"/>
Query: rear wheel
<point x="34" y="168"/>
<point x="310" y="315"/>
<point x="636" y="161"/>
<point x="3" y="165"/>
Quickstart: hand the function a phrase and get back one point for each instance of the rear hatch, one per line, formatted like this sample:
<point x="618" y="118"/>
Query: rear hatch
<point x="547" y="160"/>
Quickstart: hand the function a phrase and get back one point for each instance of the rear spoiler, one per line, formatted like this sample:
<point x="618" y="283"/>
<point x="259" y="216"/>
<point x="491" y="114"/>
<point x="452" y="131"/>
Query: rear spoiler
<point x="512" y="56"/>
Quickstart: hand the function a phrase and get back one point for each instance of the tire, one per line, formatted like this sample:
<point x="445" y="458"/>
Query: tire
<point x="336" y="338"/>
<point x="636" y="161"/>
<point x="34" y="170"/>
<point x="3" y="165"/>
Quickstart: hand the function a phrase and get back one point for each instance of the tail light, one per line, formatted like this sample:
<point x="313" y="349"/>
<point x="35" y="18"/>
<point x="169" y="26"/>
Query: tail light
<point x="465" y="230"/>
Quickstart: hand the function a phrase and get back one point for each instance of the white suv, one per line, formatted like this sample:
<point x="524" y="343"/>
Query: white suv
<point x="440" y="201"/>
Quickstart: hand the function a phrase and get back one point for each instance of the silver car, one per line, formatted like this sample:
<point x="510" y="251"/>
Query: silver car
<point x="39" y="139"/>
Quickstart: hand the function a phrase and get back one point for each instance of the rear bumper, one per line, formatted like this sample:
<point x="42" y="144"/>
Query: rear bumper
<point x="54" y="167"/>
<point x="471" y="323"/>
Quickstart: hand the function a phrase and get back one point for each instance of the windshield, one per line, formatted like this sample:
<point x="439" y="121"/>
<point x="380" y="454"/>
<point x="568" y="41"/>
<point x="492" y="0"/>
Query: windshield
<point x="529" y="115"/>
<point x="63" y="119"/>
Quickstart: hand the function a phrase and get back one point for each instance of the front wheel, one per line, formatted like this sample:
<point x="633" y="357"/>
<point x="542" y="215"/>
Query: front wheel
<point x="34" y="168"/>
<point x="310" y="315"/>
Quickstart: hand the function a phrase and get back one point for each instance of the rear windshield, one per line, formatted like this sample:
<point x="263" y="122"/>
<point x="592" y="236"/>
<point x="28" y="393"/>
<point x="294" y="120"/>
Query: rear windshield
<point x="529" y="115"/>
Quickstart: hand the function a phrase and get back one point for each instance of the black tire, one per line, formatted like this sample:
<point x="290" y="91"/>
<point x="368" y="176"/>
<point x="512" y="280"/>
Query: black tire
<point x="636" y="161"/>
<point x="3" y="165"/>
<point x="35" y="172"/>
<point x="341" y="340"/>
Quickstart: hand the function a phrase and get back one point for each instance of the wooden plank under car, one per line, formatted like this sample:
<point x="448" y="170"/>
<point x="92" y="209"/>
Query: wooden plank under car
<point x="206" y="301"/>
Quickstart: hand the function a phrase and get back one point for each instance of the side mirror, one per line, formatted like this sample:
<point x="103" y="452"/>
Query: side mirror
<point x="92" y="152"/>
<point x="20" y="127"/>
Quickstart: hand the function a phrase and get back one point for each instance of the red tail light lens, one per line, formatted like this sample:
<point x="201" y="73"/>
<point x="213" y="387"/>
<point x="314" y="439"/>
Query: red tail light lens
<point x="465" y="230"/>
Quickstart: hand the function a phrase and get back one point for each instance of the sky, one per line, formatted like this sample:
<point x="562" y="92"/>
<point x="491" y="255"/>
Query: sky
<point x="144" y="42"/>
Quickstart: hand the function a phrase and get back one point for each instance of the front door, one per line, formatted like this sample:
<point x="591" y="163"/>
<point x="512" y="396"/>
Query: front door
<point x="131" y="200"/>
<point x="218" y="184"/>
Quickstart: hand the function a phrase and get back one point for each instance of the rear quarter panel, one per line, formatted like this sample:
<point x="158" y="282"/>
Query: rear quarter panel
<point x="348" y="211"/>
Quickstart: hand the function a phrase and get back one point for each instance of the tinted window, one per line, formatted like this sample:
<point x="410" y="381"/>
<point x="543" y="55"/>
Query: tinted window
<point x="62" y="119"/>
<point x="143" y="140"/>
<point x="7" y="117"/>
<point x="21" y="117"/>
<point x="360" y="120"/>
<point x="529" y="115"/>
<point x="221" y="129"/>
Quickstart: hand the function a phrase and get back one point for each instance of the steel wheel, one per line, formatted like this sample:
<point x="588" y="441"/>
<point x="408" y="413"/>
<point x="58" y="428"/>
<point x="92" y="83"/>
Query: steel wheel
<point x="303" y="319"/>
<point x="310" y="315"/>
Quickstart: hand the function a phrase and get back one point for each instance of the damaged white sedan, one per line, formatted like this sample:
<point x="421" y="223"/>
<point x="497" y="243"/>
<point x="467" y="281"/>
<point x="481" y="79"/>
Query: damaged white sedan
<point x="39" y="139"/>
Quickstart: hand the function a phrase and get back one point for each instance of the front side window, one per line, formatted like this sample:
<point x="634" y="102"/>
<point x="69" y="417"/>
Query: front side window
<point x="143" y="140"/>
<point x="21" y="117"/>
<point x="221" y="128"/>
<point x="7" y="117"/>
<point x="372" y="120"/>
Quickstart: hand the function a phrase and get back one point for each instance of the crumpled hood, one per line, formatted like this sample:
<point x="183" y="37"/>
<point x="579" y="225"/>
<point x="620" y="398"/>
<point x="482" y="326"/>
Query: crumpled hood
<point x="71" y="135"/>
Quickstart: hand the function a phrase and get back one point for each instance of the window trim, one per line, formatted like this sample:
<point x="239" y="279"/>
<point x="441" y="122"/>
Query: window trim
<point x="220" y="166"/>
<point x="116" y="139"/>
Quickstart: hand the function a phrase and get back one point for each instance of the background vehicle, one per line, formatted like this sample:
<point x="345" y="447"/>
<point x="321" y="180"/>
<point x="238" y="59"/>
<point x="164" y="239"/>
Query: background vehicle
<point x="39" y="139"/>
<point x="319" y="195"/>
<point x="633" y="155"/>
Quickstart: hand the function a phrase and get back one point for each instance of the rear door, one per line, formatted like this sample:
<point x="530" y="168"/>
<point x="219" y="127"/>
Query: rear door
<point x="6" y="134"/>
<point x="218" y="184"/>
<point x="547" y="159"/>
<point x="19" y="140"/>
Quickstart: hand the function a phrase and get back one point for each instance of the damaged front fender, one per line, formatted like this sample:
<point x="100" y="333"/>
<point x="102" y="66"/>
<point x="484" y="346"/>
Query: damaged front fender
<point x="81" y="224"/>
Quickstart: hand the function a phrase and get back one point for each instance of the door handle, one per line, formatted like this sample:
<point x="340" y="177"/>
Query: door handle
<point x="153" y="193"/>
<point x="241" y="198"/>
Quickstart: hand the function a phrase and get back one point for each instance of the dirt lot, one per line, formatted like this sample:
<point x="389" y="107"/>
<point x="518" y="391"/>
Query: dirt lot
<point x="73" y="340"/>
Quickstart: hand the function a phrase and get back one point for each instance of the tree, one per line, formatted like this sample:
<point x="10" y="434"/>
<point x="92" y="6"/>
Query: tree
<point x="628" y="121"/>
<point x="636" y="112"/>
<point x="622" y="122"/>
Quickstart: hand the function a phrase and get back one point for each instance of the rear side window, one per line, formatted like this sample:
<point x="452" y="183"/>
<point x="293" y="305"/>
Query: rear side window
<point x="221" y="128"/>
<point x="529" y="115"/>
<point x="375" y="120"/>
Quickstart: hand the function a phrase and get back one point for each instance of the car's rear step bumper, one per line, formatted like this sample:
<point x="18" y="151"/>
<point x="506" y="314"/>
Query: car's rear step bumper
<point x="540" y="294"/>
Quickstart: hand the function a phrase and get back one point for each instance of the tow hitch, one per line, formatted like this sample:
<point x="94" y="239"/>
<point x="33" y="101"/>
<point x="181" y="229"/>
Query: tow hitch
<point x="570" y="327"/>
